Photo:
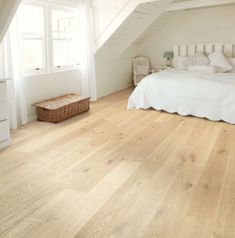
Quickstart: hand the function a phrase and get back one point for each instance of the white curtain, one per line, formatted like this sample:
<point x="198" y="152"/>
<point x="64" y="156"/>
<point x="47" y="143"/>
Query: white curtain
<point x="87" y="50"/>
<point x="16" y="97"/>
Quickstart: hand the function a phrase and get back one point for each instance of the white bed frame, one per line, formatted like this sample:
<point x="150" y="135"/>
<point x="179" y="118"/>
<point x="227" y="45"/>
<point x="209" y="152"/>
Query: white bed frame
<point x="187" y="50"/>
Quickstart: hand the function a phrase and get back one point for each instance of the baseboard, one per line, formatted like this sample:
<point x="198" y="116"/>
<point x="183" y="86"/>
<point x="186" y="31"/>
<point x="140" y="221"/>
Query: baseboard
<point x="5" y="144"/>
<point x="32" y="119"/>
<point x="127" y="86"/>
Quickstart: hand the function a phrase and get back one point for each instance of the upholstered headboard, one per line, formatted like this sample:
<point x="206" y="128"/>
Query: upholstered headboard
<point x="190" y="49"/>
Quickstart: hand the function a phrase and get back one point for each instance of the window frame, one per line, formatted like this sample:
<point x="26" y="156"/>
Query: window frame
<point x="23" y="36"/>
<point x="48" y="53"/>
<point x="61" y="67"/>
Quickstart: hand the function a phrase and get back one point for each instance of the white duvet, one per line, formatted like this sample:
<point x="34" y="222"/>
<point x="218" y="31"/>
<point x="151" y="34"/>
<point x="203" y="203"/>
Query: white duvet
<point x="199" y="94"/>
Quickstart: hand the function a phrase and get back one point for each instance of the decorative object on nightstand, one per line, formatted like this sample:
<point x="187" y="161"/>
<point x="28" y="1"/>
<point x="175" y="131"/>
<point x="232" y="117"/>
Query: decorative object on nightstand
<point x="168" y="55"/>
<point x="5" y="139"/>
<point x="160" y="68"/>
<point x="141" y="68"/>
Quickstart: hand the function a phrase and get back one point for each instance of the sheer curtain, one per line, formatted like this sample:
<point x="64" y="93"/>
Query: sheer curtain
<point x="16" y="98"/>
<point x="87" y="50"/>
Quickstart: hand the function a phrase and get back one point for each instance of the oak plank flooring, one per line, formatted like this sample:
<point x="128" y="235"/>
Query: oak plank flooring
<point x="173" y="207"/>
<point x="118" y="173"/>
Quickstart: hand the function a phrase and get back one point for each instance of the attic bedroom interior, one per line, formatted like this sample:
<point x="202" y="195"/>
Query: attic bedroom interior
<point x="117" y="119"/>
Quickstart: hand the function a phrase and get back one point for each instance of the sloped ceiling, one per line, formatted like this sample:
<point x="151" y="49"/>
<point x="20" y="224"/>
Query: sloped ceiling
<point x="7" y="11"/>
<point x="144" y="20"/>
<point x="140" y="43"/>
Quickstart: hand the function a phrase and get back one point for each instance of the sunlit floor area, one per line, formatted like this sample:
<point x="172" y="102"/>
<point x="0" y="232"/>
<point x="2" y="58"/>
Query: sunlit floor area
<point x="121" y="174"/>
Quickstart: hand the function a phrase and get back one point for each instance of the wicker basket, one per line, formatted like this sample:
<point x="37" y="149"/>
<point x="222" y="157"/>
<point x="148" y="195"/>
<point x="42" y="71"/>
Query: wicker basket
<point x="61" y="108"/>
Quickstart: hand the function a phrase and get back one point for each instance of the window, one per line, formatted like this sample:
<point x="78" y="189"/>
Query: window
<point x="64" y="36"/>
<point x="32" y="37"/>
<point x="48" y="37"/>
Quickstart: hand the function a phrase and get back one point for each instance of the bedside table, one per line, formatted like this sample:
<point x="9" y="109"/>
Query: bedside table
<point x="160" y="68"/>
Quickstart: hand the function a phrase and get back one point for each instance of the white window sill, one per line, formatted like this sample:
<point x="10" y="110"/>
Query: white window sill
<point x="55" y="71"/>
<point x="4" y="79"/>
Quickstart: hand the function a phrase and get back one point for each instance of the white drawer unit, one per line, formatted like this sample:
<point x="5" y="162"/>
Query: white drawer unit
<point x="3" y="111"/>
<point x="3" y="91"/>
<point x="5" y="138"/>
<point x="4" y="131"/>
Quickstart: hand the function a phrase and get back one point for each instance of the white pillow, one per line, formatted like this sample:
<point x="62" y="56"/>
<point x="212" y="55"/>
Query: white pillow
<point x="179" y="63"/>
<point x="142" y="69"/>
<point x="218" y="59"/>
<point x="197" y="59"/>
<point x="203" y="68"/>
<point x="232" y="62"/>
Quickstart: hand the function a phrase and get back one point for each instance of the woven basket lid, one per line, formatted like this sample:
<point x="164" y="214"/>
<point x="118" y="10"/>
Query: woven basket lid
<point x="59" y="102"/>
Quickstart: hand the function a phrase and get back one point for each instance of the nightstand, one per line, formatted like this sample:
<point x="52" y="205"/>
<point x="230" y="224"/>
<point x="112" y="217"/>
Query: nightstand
<point x="160" y="68"/>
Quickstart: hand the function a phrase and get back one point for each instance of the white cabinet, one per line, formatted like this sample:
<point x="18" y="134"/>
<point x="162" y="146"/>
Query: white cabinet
<point x="5" y="138"/>
<point x="3" y="91"/>
<point x="4" y="131"/>
<point x="3" y="111"/>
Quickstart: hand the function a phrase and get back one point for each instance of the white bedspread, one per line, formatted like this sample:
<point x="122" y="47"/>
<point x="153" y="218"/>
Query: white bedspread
<point x="188" y="93"/>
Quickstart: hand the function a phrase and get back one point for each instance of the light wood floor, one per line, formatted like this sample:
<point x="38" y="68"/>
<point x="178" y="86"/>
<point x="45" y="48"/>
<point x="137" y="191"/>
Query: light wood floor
<point x="120" y="174"/>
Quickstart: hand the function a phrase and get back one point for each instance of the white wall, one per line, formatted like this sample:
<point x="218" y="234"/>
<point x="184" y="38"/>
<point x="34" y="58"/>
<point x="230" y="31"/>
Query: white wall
<point x="113" y="71"/>
<point x="113" y="75"/>
<point x="47" y="86"/>
<point x="211" y="25"/>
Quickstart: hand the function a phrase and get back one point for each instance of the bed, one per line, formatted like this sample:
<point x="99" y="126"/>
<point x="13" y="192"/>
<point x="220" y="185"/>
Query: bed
<point x="205" y="95"/>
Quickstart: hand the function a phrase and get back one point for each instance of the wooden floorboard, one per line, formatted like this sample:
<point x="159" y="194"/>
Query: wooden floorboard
<point x="120" y="174"/>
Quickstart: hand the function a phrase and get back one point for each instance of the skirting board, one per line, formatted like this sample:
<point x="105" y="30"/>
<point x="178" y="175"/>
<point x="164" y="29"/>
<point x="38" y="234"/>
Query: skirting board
<point x="32" y="119"/>
<point x="5" y="144"/>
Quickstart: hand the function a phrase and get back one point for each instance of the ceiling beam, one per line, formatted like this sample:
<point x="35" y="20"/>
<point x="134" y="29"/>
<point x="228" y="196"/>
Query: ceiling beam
<point x="199" y="4"/>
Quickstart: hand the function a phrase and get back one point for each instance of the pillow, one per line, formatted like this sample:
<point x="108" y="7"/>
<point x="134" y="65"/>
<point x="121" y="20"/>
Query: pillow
<point x="232" y="62"/>
<point x="203" y="68"/>
<point x="218" y="59"/>
<point x="179" y="63"/>
<point x="197" y="59"/>
<point x="142" y="69"/>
